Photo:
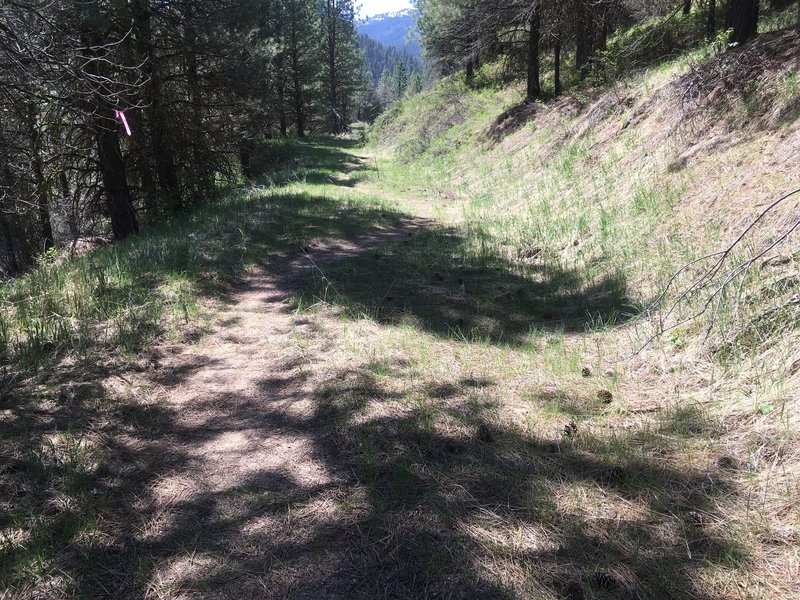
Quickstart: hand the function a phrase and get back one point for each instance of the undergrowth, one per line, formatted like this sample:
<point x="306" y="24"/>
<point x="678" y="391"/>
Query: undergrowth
<point x="123" y="297"/>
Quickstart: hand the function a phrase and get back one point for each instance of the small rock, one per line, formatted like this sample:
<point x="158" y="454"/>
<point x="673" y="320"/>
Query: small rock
<point x="727" y="462"/>
<point x="586" y="372"/>
<point x="485" y="434"/>
<point x="605" y="396"/>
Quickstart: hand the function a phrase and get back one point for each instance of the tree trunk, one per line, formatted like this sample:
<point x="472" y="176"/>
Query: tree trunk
<point x="742" y="18"/>
<point x="297" y="91"/>
<point x="8" y="259"/>
<point x="687" y="7"/>
<point x="115" y="182"/>
<point x="161" y="145"/>
<point x="332" y="17"/>
<point x="557" y="68"/>
<point x="106" y="132"/>
<point x="711" y="20"/>
<point x="244" y="159"/>
<point x="66" y="198"/>
<point x="200" y="157"/>
<point x="42" y="187"/>
<point x="605" y="23"/>
<point x="583" y="43"/>
<point x="470" y="71"/>
<point x="534" y="88"/>
<point x="281" y="85"/>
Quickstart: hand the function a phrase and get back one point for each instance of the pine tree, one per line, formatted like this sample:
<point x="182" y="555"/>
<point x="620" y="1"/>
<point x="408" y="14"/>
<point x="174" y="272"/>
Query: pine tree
<point x="400" y="80"/>
<point x="386" y="88"/>
<point x="414" y="84"/>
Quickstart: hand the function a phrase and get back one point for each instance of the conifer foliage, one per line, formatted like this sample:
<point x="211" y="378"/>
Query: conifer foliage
<point x="197" y="83"/>
<point x="461" y="34"/>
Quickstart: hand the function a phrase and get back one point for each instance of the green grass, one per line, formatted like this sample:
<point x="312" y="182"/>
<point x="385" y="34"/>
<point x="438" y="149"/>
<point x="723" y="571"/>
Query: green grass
<point x="469" y="386"/>
<point x="71" y="324"/>
<point x="122" y="298"/>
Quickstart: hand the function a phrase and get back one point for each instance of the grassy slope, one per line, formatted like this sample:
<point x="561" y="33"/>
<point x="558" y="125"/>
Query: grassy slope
<point x="563" y="221"/>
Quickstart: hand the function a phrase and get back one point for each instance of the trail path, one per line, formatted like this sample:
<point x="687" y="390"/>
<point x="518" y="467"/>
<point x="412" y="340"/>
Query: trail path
<point x="248" y="444"/>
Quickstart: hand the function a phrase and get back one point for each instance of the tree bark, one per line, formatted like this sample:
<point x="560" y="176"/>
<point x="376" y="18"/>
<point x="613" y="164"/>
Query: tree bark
<point x="42" y="187"/>
<point x="297" y="91"/>
<point x="742" y="18"/>
<point x="605" y="22"/>
<point x="281" y="85"/>
<point x="534" y="89"/>
<point x="9" y="263"/>
<point x="8" y="259"/>
<point x="332" y="18"/>
<point x="583" y="43"/>
<point x="115" y="182"/>
<point x="711" y="20"/>
<point x="161" y="145"/>
<point x="200" y="157"/>
<point x="106" y="133"/>
<point x="67" y="199"/>
<point x="557" y="68"/>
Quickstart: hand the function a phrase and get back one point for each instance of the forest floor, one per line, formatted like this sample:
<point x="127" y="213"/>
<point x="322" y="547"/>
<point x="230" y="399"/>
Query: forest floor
<point x="372" y="414"/>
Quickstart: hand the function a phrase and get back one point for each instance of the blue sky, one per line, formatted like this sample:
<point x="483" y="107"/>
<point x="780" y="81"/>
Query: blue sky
<point x="376" y="7"/>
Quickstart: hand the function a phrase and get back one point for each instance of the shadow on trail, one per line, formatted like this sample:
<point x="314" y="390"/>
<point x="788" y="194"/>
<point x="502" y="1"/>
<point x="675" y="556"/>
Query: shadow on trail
<point x="434" y="280"/>
<point x="406" y="510"/>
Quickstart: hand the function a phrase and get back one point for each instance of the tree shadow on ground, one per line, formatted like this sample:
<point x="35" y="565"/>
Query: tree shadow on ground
<point x="406" y="503"/>
<point x="461" y="508"/>
<point x="121" y="301"/>
<point x="318" y="161"/>
<point x="99" y="495"/>
<point x="434" y="280"/>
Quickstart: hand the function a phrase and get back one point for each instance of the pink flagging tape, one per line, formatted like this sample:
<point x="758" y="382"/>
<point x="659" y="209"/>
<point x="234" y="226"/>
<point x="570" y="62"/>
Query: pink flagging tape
<point x="121" y="116"/>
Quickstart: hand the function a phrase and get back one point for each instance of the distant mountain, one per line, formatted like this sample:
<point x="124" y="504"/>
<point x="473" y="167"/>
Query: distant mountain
<point x="397" y="30"/>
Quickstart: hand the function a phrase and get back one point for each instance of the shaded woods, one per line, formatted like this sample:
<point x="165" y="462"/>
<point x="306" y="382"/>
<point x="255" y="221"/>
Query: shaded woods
<point x="200" y="83"/>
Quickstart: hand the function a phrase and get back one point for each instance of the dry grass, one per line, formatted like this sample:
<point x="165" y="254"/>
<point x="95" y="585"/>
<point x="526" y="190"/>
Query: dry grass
<point x="623" y="182"/>
<point x="398" y="407"/>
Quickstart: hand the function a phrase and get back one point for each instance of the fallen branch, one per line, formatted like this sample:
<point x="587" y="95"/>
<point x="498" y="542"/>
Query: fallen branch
<point x="710" y="278"/>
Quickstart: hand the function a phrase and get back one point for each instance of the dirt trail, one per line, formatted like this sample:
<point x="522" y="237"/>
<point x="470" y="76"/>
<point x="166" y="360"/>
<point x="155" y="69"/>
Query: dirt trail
<point x="249" y="365"/>
<point x="247" y="430"/>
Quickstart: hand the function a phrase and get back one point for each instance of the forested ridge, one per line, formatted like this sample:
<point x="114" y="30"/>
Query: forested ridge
<point x="382" y="58"/>
<point x="286" y="313"/>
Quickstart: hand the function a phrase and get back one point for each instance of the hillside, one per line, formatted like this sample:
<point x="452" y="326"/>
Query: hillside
<point x="599" y="199"/>
<point x="487" y="347"/>
<point x="396" y="30"/>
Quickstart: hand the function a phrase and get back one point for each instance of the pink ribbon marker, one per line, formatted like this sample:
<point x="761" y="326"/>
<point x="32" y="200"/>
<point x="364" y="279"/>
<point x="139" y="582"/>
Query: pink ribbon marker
<point x="121" y="116"/>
